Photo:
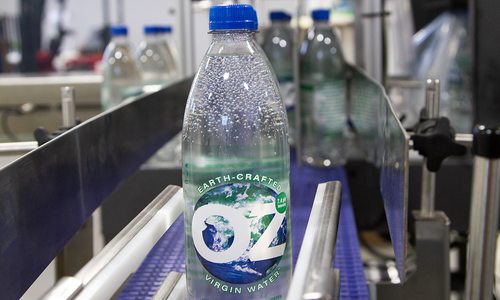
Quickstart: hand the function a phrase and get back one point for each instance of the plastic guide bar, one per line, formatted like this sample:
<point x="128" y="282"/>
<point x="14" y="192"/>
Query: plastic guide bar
<point x="385" y="143"/>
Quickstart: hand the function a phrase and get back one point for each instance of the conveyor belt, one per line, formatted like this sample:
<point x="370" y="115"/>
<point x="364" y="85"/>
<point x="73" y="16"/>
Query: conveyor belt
<point x="348" y="255"/>
<point x="168" y="256"/>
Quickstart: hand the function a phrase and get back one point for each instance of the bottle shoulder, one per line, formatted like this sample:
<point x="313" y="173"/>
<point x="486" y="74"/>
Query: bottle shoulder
<point x="278" y="42"/>
<point x="286" y="33"/>
<point x="321" y="40"/>
<point x="118" y="62"/>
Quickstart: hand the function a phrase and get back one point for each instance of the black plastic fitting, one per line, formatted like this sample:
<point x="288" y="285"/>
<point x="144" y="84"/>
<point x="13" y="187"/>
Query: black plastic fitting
<point x="486" y="142"/>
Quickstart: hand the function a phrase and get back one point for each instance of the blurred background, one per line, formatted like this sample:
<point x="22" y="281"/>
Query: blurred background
<point x="44" y="41"/>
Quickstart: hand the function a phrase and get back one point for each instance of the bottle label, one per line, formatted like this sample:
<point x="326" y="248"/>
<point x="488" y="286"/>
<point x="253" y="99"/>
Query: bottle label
<point x="329" y="106"/>
<point x="239" y="230"/>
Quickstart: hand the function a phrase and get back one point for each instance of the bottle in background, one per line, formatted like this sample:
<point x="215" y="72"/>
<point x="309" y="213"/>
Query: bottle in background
<point x="279" y="46"/>
<point x="322" y="94"/>
<point x="121" y="76"/>
<point x="236" y="167"/>
<point x="165" y="36"/>
<point x="152" y="60"/>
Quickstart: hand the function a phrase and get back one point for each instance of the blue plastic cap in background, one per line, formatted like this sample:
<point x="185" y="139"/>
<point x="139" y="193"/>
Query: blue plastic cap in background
<point x="165" y="28"/>
<point x="119" y="30"/>
<point x="321" y="15"/>
<point x="151" y="29"/>
<point x="233" y="17"/>
<point x="279" y="15"/>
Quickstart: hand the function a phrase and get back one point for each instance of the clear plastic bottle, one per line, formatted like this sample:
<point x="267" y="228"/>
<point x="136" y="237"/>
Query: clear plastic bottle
<point x="171" y="52"/>
<point x="152" y="60"/>
<point x="121" y="75"/>
<point x="322" y="94"/>
<point x="236" y="167"/>
<point x="278" y="46"/>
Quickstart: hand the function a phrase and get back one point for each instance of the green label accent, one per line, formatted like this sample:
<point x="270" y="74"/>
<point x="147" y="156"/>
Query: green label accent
<point x="281" y="203"/>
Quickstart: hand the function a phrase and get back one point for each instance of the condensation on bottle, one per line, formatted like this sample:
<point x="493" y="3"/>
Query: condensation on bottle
<point x="236" y="168"/>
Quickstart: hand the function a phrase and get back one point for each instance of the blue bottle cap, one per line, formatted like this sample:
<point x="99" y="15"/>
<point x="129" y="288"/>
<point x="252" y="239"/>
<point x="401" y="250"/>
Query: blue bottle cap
<point x="233" y="17"/>
<point x="119" y="30"/>
<point x="165" y="28"/>
<point x="279" y="15"/>
<point x="151" y="29"/>
<point x="321" y="15"/>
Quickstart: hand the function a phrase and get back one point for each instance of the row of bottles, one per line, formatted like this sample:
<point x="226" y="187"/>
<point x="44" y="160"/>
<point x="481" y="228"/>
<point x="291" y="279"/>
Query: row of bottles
<point x="126" y="75"/>
<point x="322" y="86"/>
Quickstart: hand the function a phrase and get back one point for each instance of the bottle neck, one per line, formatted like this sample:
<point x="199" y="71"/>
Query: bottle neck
<point x="233" y="42"/>
<point x="150" y="38"/>
<point x="232" y="36"/>
<point x="280" y="23"/>
<point x="321" y="23"/>
<point x="120" y="39"/>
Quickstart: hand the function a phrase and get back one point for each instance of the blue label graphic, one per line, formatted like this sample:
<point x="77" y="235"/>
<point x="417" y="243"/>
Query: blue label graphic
<point x="238" y="233"/>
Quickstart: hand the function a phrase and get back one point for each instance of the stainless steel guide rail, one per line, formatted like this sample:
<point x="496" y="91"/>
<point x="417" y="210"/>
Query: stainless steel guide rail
<point x="314" y="276"/>
<point x="485" y="203"/>
<point x="69" y="287"/>
<point x="432" y="100"/>
<point x="46" y="195"/>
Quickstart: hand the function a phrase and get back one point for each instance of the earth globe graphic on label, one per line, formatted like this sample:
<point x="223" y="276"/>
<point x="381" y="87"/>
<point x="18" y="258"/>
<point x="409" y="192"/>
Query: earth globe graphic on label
<point x="219" y="235"/>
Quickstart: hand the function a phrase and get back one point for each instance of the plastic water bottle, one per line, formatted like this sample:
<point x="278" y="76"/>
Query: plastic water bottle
<point x="170" y="50"/>
<point x="322" y="94"/>
<point x="121" y="75"/>
<point x="152" y="60"/>
<point x="236" y="168"/>
<point x="278" y="46"/>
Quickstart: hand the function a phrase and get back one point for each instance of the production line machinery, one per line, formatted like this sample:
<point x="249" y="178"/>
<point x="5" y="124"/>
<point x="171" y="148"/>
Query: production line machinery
<point x="48" y="194"/>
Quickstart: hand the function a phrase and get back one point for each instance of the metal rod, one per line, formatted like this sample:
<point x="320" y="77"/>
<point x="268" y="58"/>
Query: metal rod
<point x="373" y="27"/>
<point x="432" y="98"/>
<point x="483" y="229"/>
<point x="464" y="139"/>
<point x="296" y="81"/>
<point x="120" y="5"/>
<point x="314" y="276"/>
<point x="429" y="178"/>
<point x="71" y="286"/>
<point x="17" y="147"/>
<point x="106" y="17"/>
<point x="167" y="286"/>
<point x="428" y="191"/>
<point x="68" y="106"/>
<point x="322" y="274"/>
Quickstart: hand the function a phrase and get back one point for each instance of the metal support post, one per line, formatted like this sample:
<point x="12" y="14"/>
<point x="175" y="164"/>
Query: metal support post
<point x="68" y="106"/>
<point x="428" y="177"/>
<point x="372" y="24"/>
<point x="484" y="214"/>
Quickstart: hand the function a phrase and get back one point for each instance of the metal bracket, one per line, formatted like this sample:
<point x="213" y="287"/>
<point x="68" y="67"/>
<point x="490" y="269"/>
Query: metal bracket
<point x="431" y="280"/>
